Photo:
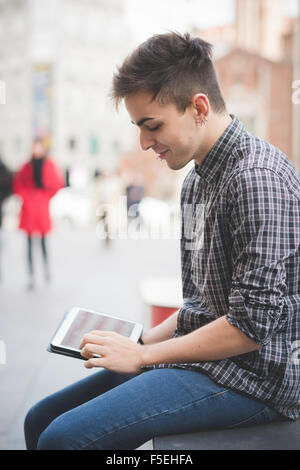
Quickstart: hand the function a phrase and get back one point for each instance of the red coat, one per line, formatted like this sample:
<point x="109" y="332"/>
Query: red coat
<point x="35" y="215"/>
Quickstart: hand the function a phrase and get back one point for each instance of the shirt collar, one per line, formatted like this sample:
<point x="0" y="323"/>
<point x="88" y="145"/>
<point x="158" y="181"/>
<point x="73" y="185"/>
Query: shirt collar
<point x="218" y="155"/>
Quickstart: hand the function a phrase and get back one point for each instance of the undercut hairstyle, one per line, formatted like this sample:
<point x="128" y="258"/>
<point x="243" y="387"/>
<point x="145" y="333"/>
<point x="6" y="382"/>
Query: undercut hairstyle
<point x="172" y="68"/>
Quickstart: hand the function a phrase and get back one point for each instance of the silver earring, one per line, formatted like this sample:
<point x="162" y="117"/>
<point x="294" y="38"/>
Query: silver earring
<point x="203" y="121"/>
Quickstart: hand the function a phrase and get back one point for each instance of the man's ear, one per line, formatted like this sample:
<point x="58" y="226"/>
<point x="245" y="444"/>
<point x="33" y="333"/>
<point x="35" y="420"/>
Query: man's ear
<point x="200" y="104"/>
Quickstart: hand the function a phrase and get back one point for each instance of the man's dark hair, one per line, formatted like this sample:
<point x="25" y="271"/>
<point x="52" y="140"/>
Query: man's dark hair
<point x="172" y="68"/>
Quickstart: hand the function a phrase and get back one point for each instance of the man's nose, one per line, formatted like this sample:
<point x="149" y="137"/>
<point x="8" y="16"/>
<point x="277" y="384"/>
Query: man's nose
<point x="146" y="140"/>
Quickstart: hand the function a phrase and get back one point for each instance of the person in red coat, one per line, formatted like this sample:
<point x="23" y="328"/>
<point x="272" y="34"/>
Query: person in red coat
<point x="36" y="183"/>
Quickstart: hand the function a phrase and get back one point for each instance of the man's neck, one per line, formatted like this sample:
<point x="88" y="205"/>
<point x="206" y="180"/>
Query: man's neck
<point x="214" y="129"/>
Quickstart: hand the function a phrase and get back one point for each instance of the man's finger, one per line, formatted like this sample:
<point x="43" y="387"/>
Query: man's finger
<point x="94" y="362"/>
<point x="91" y="338"/>
<point x="89" y="349"/>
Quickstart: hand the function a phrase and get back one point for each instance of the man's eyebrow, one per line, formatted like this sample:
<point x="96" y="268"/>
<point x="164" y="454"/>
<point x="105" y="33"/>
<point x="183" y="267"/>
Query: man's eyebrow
<point x="141" y="121"/>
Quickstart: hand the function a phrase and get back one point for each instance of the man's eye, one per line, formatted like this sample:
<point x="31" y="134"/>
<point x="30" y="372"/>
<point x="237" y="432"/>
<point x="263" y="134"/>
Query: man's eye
<point x="152" y="129"/>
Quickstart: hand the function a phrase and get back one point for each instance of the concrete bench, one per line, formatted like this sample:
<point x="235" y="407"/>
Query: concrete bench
<point x="279" y="435"/>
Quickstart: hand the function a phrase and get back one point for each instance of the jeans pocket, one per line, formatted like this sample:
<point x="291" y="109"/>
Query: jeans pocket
<point x="264" y="416"/>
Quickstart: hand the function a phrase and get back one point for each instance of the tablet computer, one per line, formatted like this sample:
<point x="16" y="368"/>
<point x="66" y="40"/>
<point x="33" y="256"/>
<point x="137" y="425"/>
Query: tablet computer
<point x="79" y="321"/>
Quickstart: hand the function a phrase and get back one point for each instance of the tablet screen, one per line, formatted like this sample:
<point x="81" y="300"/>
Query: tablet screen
<point x="88" y="321"/>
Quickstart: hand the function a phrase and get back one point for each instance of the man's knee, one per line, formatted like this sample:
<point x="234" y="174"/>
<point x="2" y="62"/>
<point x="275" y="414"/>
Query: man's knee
<point x="55" y="437"/>
<point x="30" y="418"/>
<point x="33" y="426"/>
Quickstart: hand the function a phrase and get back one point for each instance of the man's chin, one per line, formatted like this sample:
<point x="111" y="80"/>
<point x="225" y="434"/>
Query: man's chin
<point x="176" y="165"/>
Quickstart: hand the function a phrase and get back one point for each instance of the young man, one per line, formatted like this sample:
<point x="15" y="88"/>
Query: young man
<point x="226" y="358"/>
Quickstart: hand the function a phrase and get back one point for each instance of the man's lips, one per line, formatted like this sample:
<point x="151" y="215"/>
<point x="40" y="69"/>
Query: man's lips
<point x="162" y="154"/>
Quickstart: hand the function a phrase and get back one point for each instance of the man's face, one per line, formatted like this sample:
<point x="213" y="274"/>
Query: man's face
<point x="170" y="133"/>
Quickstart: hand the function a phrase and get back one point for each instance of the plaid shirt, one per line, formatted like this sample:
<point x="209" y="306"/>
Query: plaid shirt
<point x="240" y="259"/>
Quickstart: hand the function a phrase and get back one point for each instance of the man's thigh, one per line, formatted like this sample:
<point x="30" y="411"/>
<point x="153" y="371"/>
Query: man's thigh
<point x="156" y="402"/>
<point x="46" y="410"/>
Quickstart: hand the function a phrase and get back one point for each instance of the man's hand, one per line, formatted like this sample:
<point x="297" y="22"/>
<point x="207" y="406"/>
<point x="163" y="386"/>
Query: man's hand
<point x="118" y="353"/>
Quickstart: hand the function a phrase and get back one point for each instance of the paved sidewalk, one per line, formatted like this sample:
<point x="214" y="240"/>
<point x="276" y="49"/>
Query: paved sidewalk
<point x="85" y="273"/>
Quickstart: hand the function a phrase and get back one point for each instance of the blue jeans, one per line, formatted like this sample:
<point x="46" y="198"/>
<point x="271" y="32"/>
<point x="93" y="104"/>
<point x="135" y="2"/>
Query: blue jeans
<point x="111" y="411"/>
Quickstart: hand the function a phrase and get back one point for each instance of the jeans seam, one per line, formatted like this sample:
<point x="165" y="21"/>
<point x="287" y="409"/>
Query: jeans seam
<point x="157" y="414"/>
<point x="265" y="410"/>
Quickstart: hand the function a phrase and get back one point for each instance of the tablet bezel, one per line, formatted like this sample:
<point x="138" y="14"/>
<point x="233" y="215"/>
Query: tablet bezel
<point x="67" y="322"/>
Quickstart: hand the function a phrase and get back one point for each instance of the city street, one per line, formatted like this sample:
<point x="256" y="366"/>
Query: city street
<point x="85" y="272"/>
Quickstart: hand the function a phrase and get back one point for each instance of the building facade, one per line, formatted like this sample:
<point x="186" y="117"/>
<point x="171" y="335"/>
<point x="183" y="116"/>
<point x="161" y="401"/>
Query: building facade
<point x="255" y="68"/>
<point x="57" y="61"/>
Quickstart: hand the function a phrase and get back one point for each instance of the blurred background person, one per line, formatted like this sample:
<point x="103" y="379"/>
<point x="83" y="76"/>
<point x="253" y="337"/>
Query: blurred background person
<point x="6" y="177"/>
<point x="36" y="183"/>
<point x="108" y="188"/>
<point x="135" y="192"/>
